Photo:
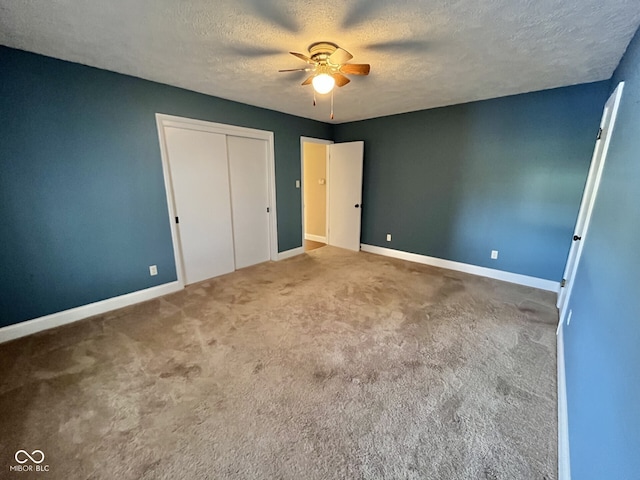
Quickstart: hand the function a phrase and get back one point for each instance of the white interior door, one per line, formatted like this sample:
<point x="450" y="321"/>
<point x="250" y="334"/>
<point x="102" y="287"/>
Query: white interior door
<point x="589" y="197"/>
<point x="249" y="177"/>
<point x="200" y="182"/>
<point x="345" y="194"/>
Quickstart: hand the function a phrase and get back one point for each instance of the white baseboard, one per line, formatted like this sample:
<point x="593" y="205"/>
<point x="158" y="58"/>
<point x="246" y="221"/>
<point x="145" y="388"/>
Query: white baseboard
<point x="290" y="253"/>
<point x="28" y="327"/>
<point x="315" y="238"/>
<point x="564" y="464"/>
<point x="465" y="267"/>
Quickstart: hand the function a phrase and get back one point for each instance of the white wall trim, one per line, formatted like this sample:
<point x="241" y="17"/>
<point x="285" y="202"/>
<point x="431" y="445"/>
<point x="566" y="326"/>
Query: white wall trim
<point x="315" y="238"/>
<point x="28" y="327"/>
<point x="465" y="267"/>
<point x="291" y="253"/>
<point x="564" y="464"/>
<point x="587" y="204"/>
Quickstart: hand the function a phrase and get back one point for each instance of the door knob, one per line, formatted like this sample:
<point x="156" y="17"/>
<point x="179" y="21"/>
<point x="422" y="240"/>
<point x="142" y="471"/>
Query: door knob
<point x="576" y="238"/>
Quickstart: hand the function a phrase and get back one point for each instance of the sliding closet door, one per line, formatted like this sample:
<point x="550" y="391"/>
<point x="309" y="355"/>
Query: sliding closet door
<point x="200" y="181"/>
<point x="249" y="175"/>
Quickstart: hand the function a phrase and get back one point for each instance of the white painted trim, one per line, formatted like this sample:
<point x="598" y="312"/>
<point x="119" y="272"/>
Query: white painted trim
<point x="587" y="204"/>
<point x="271" y="154"/>
<point x="315" y="140"/>
<point x="304" y="140"/>
<point x="327" y="165"/>
<point x="291" y="253"/>
<point x="163" y="121"/>
<point x="213" y="127"/>
<point x="168" y="188"/>
<point x="22" y="329"/>
<point x="465" y="267"/>
<point x="564" y="463"/>
<point x="315" y="238"/>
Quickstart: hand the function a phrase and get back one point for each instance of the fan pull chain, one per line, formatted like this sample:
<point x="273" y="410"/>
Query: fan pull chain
<point x="332" y="103"/>
<point x="314" y="98"/>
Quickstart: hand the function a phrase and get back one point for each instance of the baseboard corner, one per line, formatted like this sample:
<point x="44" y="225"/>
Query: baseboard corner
<point x="290" y="253"/>
<point x="315" y="238"/>
<point x="516" y="278"/>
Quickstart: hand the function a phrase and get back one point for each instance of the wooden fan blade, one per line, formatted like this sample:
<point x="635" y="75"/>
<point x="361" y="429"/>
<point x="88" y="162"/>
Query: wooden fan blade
<point x="308" y="80"/>
<point x="340" y="79"/>
<point x="295" y="70"/>
<point x="302" y="57"/>
<point x="355" y="68"/>
<point x="340" y="56"/>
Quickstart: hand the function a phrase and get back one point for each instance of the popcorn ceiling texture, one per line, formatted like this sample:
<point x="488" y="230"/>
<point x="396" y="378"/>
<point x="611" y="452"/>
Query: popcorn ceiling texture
<point x="422" y="54"/>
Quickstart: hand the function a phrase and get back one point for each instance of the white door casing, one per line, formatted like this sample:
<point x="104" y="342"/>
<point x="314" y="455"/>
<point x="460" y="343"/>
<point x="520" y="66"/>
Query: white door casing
<point x="248" y="174"/>
<point x="164" y="122"/>
<point x="200" y="181"/>
<point x="589" y="195"/>
<point x="345" y="194"/>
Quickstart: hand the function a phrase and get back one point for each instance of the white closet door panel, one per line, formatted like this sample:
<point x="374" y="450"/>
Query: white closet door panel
<point x="200" y="181"/>
<point x="248" y="169"/>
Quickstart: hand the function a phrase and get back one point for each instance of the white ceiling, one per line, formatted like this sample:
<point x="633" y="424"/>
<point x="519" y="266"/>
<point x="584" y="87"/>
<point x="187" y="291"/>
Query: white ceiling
<point x="423" y="54"/>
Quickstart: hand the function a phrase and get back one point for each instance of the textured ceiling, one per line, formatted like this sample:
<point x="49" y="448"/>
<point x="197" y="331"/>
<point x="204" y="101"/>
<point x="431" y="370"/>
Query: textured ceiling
<point x="423" y="54"/>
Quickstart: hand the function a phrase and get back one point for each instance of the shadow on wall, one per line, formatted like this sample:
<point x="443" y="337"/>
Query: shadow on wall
<point x="404" y="198"/>
<point x="505" y="174"/>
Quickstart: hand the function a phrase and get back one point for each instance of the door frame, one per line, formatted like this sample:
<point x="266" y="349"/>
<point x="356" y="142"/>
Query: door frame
<point x="587" y="203"/>
<point x="164" y="120"/>
<point x="304" y="140"/>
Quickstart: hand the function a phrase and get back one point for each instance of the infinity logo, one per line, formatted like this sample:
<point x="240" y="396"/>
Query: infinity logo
<point x="30" y="457"/>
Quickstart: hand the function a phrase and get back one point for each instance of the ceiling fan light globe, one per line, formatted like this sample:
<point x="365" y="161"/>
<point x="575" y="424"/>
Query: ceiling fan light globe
<point x="323" y="83"/>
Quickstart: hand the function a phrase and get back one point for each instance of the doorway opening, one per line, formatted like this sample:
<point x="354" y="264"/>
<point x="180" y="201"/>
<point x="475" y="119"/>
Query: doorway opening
<point x="315" y="193"/>
<point x="331" y="193"/>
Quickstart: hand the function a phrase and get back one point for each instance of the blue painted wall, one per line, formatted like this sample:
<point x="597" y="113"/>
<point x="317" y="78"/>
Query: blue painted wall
<point x="602" y="342"/>
<point x="504" y="174"/>
<point x="82" y="196"/>
<point x="84" y="208"/>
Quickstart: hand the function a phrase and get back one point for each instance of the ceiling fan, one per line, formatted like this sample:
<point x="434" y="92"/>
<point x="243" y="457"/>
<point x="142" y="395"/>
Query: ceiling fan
<point x="328" y="66"/>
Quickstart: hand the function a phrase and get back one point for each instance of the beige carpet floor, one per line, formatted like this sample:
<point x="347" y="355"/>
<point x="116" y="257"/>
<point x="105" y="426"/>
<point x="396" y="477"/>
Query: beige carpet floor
<point x="330" y="365"/>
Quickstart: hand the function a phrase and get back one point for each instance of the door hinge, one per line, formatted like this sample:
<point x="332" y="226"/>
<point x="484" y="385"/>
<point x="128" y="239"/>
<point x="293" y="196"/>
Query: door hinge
<point x="177" y="220"/>
<point x="563" y="282"/>
<point x="599" y="134"/>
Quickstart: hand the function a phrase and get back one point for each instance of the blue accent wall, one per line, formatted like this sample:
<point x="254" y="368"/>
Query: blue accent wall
<point x="505" y="174"/>
<point x="84" y="207"/>
<point x="602" y="342"/>
<point x="82" y="196"/>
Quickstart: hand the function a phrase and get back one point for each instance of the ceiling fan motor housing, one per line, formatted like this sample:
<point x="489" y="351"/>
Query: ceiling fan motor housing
<point x="320" y="51"/>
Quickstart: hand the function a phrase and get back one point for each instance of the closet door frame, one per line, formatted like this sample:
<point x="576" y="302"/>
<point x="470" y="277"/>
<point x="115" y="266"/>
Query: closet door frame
<point x="163" y="121"/>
